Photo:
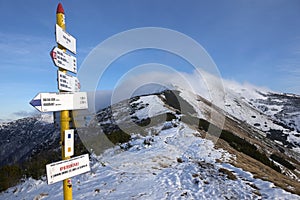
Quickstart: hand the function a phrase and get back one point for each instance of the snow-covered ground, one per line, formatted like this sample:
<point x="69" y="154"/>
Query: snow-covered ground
<point x="172" y="165"/>
<point x="154" y="107"/>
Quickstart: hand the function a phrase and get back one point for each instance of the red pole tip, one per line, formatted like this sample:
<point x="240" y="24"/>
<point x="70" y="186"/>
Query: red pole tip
<point x="60" y="9"/>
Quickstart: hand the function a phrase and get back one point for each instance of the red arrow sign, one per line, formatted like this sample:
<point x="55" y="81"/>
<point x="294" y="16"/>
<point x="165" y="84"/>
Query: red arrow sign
<point x="63" y="60"/>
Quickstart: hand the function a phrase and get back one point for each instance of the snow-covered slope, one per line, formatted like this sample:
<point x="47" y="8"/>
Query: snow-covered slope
<point x="277" y="115"/>
<point x="166" y="156"/>
<point x="172" y="165"/>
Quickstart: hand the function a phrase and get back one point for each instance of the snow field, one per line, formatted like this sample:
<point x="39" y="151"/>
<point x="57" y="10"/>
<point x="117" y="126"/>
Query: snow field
<point x="175" y="165"/>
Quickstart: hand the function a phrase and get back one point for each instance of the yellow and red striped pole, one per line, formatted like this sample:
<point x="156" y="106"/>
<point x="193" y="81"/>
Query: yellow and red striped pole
<point x="64" y="115"/>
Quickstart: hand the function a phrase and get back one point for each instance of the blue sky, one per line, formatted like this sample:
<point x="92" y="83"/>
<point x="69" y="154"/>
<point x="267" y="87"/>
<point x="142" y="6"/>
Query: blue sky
<point x="250" y="41"/>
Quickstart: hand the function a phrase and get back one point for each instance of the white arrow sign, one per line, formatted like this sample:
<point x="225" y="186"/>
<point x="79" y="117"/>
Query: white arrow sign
<point x="65" y="39"/>
<point x="67" y="82"/>
<point x="50" y="102"/>
<point x="65" y="169"/>
<point x="63" y="60"/>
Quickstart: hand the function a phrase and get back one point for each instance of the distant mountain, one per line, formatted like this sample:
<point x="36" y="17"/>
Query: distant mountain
<point x="22" y="138"/>
<point x="276" y="115"/>
<point x="27" y="145"/>
<point x="173" y="144"/>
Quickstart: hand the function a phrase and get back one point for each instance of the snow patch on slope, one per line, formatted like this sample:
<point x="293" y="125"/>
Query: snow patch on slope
<point x="154" y="107"/>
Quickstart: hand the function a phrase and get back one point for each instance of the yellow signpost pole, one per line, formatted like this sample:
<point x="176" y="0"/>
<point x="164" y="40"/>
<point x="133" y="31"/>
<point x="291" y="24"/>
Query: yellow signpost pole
<point x="64" y="115"/>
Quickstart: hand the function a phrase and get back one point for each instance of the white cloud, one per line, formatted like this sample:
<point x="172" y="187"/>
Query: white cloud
<point x="135" y="83"/>
<point x="24" y="113"/>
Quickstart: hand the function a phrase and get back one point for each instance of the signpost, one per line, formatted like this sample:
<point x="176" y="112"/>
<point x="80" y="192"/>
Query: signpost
<point x="65" y="39"/>
<point x="65" y="169"/>
<point x="63" y="60"/>
<point x="50" y="102"/>
<point x="67" y="82"/>
<point x="67" y="99"/>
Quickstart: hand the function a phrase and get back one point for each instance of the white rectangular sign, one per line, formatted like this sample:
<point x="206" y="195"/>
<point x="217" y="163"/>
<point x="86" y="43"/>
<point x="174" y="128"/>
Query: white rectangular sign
<point x="65" y="39"/>
<point x="50" y="102"/>
<point x="67" y="82"/>
<point x="65" y="169"/>
<point x="69" y="142"/>
<point x="63" y="60"/>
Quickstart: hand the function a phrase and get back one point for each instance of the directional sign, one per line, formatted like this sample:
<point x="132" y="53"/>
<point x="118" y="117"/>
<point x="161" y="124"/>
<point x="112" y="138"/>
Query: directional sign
<point x="65" y="169"/>
<point x="49" y="102"/>
<point x="63" y="60"/>
<point x="65" y="39"/>
<point x="67" y="82"/>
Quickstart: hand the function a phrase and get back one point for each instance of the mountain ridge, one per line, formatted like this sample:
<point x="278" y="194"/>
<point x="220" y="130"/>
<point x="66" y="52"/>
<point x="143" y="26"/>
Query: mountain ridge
<point x="148" y="117"/>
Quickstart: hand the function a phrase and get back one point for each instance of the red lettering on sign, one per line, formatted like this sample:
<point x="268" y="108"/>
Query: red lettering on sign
<point x="69" y="166"/>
